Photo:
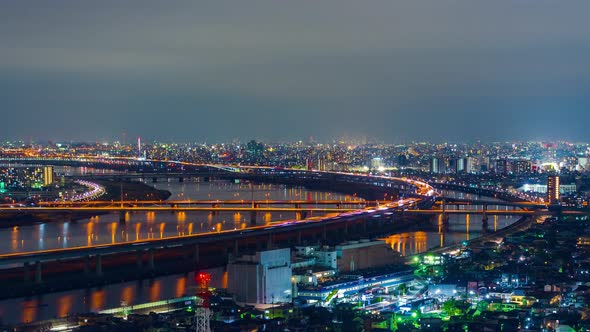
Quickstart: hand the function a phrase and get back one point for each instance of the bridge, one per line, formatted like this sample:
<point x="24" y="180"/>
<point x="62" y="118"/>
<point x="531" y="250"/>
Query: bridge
<point x="192" y="245"/>
<point x="302" y="208"/>
<point x="213" y="203"/>
<point x="474" y="202"/>
<point x="480" y="211"/>
<point x="404" y="196"/>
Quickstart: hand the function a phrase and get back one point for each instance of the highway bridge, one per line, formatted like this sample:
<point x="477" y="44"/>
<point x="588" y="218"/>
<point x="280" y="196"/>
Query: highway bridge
<point x="386" y="190"/>
<point x="213" y="202"/>
<point x="301" y="207"/>
<point x="193" y="247"/>
<point x="398" y="196"/>
<point x="475" y="202"/>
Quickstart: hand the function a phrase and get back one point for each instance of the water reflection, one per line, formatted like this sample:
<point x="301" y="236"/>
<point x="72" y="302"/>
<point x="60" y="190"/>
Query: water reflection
<point x="127" y="295"/>
<point x="459" y="228"/>
<point x="106" y="228"/>
<point x="408" y="243"/>
<point x="180" y="287"/>
<point x="155" y="290"/>
<point x="64" y="305"/>
<point x="14" y="238"/>
<point x="97" y="300"/>
<point x="29" y="311"/>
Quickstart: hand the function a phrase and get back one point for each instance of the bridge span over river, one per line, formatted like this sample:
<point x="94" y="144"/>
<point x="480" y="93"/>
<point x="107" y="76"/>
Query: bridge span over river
<point x="387" y="199"/>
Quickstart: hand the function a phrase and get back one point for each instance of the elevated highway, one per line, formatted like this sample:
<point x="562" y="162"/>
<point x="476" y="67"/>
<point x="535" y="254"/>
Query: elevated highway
<point x="473" y="202"/>
<point x="413" y="194"/>
<point x="235" y="202"/>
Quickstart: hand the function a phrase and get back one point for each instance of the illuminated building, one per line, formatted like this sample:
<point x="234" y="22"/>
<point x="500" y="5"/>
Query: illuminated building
<point x="354" y="284"/>
<point x="47" y="176"/>
<point x="542" y="188"/>
<point x="522" y="166"/>
<point x="434" y="165"/>
<point x="377" y="164"/>
<point x="261" y="278"/>
<point x="502" y="166"/>
<point x="553" y="189"/>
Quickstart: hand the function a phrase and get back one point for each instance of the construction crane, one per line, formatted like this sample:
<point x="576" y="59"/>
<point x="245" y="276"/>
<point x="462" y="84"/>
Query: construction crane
<point x="203" y="311"/>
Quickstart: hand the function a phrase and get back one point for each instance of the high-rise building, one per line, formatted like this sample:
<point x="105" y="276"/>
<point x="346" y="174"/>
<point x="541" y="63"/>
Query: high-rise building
<point x="502" y="166"/>
<point x="553" y="189"/>
<point x="434" y="165"/>
<point x="522" y="166"/>
<point x="47" y="176"/>
<point x="402" y="160"/>
<point x="468" y="161"/>
<point x="464" y="165"/>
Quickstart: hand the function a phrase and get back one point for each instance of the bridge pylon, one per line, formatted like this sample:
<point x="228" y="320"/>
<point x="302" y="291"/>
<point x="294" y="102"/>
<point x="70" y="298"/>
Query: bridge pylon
<point x="122" y="217"/>
<point x="444" y="215"/>
<point x="485" y="215"/>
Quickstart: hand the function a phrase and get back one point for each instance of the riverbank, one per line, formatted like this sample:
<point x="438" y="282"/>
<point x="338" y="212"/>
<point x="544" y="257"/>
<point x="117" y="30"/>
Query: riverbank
<point x="131" y="190"/>
<point x="522" y="224"/>
<point x="113" y="190"/>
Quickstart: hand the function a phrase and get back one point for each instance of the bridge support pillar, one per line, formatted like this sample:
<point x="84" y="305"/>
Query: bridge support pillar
<point x="301" y="215"/>
<point x="27" y="272"/>
<point x="215" y="206"/>
<point x="122" y="219"/>
<point x="151" y="264"/>
<point x="180" y="179"/>
<point x="269" y="243"/>
<point x="99" y="265"/>
<point x="252" y="218"/>
<point x="139" y="261"/>
<point x="86" y="265"/>
<point x="236" y="252"/>
<point x="38" y="272"/>
<point x="196" y="254"/>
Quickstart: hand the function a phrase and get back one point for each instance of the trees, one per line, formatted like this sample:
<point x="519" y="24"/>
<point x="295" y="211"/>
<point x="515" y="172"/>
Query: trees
<point x="402" y="289"/>
<point x="451" y="308"/>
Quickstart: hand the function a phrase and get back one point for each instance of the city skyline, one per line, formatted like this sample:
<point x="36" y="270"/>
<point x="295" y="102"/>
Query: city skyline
<point x="260" y="165"/>
<point x="396" y="71"/>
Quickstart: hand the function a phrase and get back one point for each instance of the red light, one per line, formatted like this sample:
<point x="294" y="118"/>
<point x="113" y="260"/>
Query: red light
<point x="202" y="277"/>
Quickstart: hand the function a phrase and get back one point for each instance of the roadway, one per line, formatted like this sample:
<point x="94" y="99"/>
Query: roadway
<point x="227" y="235"/>
<point x="102" y="209"/>
<point x="203" y="202"/>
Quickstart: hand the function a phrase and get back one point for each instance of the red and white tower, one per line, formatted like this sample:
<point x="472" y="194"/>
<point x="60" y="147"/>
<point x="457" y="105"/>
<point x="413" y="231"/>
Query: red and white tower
<point x="203" y="311"/>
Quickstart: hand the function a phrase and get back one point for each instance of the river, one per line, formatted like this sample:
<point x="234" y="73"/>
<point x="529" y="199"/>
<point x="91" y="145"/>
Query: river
<point x="106" y="229"/>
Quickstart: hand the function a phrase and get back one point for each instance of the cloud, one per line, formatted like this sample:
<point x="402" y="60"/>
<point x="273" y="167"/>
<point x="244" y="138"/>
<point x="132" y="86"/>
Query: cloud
<point x="263" y="68"/>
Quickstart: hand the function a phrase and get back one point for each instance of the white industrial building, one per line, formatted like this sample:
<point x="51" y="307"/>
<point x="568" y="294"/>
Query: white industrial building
<point x="261" y="278"/>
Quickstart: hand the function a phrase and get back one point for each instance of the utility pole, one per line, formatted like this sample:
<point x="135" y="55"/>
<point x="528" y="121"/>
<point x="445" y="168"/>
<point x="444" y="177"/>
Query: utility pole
<point x="203" y="311"/>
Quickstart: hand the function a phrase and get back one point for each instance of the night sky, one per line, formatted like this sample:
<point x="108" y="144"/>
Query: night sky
<point x="395" y="70"/>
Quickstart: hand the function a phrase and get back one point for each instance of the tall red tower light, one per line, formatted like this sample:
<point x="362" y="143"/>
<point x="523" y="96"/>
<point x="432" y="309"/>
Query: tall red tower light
<point x="203" y="310"/>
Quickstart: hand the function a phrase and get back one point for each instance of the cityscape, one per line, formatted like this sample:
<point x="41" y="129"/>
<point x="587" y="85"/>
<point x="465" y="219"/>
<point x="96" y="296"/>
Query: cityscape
<point x="294" y="166"/>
